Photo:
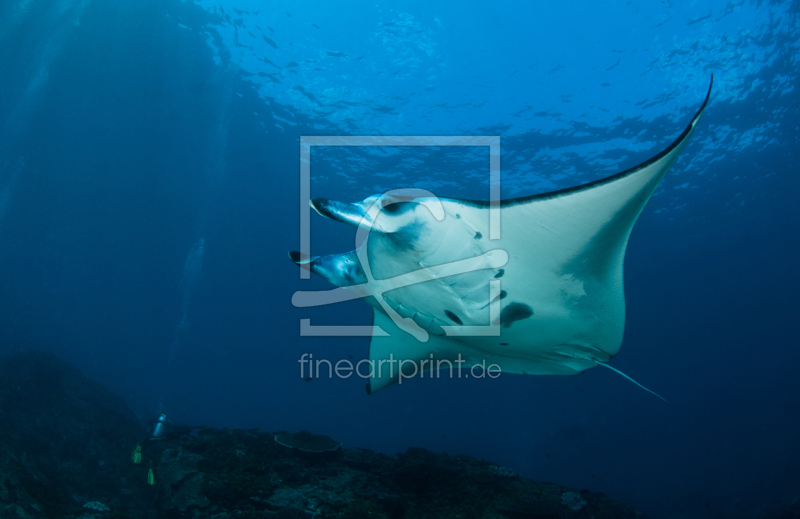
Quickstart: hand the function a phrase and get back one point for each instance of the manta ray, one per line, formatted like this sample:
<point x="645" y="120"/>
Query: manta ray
<point x="546" y="298"/>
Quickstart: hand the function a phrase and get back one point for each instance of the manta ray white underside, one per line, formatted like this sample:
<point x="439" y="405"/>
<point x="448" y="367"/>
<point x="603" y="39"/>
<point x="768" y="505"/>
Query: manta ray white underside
<point x="546" y="298"/>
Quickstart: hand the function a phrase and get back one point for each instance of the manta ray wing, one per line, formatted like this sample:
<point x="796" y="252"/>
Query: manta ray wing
<point x="561" y="301"/>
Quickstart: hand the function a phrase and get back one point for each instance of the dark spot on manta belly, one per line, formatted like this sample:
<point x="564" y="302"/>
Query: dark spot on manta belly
<point x="500" y="273"/>
<point x="478" y="236"/>
<point x="453" y="317"/>
<point x="458" y="215"/>
<point x="515" y="312"/>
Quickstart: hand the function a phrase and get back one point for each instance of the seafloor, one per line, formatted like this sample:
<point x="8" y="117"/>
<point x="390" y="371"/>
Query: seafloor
<point x="66" y="445"/>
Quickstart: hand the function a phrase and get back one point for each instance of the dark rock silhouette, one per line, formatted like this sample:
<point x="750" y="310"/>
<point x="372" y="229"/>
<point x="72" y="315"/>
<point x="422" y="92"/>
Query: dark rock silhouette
<point x="65" y="441"/>
<point x="66" y="444"/>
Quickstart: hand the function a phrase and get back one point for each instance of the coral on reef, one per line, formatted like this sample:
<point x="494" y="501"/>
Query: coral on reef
<point x="573" y="500"/>
<point x="96" y="505"/>
<point x="306" y="441"/>
<point x="503" y="471"/>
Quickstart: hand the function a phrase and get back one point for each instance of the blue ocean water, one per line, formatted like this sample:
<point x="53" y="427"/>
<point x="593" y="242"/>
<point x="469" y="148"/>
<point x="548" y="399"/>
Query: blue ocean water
<point x="150" y="189"/>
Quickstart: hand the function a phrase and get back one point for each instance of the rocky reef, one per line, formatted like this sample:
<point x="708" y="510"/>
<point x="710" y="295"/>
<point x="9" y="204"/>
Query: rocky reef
<point x="66" y="444"/>
<point x="248" y="474"/>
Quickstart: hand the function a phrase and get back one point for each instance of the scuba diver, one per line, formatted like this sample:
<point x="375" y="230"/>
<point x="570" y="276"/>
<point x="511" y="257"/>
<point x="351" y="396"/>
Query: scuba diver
<point x="159" y="427"/>
<point x="162" y="429"/>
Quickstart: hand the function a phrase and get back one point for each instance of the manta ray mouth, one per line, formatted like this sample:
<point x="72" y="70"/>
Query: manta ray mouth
<point x="339" y="269"/>
<point x="350" y="214"/>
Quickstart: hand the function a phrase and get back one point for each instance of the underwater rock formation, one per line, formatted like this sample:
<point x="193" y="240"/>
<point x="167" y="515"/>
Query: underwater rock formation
<point x="247" y="472"/>
<point x="65" y="445"/>
<point x="65" y="452"/>
<point x="306" y="441"/>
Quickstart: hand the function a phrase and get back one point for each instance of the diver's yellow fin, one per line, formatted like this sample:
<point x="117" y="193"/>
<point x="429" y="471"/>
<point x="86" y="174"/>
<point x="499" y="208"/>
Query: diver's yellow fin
<point x="136" y="456"/>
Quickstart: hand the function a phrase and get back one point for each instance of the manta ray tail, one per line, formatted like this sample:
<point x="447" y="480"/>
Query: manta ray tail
<point x="615" y="370"/>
